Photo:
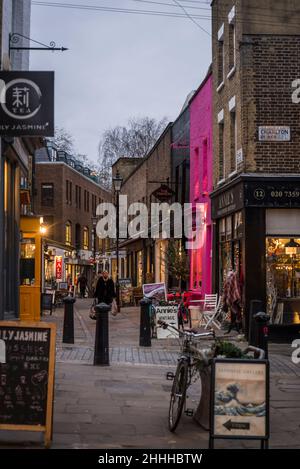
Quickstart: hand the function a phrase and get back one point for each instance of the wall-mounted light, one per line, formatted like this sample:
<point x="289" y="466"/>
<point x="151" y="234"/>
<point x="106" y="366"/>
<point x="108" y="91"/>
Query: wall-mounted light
<point x="291" y="248"/>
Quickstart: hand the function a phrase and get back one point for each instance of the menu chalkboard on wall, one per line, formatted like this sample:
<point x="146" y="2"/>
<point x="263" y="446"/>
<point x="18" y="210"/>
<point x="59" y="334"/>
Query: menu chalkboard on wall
<point x="27" y="357"/>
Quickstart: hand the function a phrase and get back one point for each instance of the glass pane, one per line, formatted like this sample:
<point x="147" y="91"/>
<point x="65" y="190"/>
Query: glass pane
<point x="27" y="262"/>
<point x="283" y="280"/>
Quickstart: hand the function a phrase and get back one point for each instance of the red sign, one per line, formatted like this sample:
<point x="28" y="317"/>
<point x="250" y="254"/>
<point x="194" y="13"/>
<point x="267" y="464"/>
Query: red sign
<point x="58" y="267"/>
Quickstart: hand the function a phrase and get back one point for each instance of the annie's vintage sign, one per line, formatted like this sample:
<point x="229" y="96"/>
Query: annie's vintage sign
<point x="27" y="104"/>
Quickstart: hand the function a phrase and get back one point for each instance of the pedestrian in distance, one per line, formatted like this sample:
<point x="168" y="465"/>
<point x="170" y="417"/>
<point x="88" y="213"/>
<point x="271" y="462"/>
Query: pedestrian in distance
<point x="82" y="283"/>
<point x="105" y="291"/>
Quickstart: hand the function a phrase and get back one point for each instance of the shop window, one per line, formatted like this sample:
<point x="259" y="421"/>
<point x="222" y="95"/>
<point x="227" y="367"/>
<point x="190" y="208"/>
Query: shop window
<point x="283" y="280"/>
<point x="228" y="228"/>
<point x="27" y="262"/>
<point x="47" y="195"/>
<point x="238" y="225"/>
<point x="85" y="238"/>
<point x="68" y="233"/>
<point x="222" y="231"/>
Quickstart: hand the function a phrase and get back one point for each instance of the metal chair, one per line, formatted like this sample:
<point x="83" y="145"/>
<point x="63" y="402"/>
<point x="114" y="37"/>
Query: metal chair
<point x="213" y="317"/>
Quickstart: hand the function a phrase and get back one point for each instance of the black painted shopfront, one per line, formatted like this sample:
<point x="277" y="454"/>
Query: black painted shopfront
<point x="257" y="234"/>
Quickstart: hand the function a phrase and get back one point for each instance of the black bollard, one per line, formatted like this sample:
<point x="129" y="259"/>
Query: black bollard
<point x="145" y="324"/>
<point x="262" y="325"/>
<point x="101" y="353"/>
<point x="68" y="330"/>
<point x="255" y="307"/>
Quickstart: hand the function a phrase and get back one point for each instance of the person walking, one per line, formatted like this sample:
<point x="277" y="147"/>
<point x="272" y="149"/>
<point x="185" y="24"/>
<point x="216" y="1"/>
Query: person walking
<point x="105" y="289"/>
<point x="82" y="283"/>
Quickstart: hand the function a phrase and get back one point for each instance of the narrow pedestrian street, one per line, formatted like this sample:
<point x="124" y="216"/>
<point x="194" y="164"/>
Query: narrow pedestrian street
<point x="126" y="404"/>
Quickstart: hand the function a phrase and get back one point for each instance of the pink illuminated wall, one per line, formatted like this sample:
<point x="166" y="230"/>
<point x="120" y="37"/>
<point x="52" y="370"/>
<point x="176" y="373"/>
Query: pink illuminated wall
<point x="201" y="183"/>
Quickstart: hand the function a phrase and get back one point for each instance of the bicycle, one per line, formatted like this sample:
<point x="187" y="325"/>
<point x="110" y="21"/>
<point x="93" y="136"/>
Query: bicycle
<point x="190" y="363"/>
<point x="187" y="368"/>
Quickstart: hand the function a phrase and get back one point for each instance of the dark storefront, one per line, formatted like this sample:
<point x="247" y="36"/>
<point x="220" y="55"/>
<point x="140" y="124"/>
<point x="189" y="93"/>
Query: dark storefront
<point x="257" y="234"/>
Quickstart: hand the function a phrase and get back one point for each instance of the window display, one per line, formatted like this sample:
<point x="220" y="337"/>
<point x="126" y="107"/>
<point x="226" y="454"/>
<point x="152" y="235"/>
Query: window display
<point x="27" y="261"/>
<point x="283" y="280"/>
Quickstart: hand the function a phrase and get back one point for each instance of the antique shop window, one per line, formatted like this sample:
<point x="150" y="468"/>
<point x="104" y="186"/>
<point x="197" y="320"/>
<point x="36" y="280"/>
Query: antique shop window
<point x="230" y="246"/>
<point x="47" y="195"/>
<point x="283" y="279"/>
<point x="27" y="262"/>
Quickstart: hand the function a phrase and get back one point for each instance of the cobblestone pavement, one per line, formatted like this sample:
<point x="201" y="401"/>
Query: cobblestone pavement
<point x="126" y="406"/>
<point x="124" y="340"/>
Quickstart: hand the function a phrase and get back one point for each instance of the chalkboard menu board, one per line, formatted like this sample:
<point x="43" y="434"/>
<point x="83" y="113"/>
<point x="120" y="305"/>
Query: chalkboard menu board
<point x="27" y="355"/>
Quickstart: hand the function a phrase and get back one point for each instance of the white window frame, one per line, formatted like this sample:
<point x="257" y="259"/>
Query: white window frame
<point x="232" y="23"/>
<point x="221" y="39"/>
<point x="232" y="109"/>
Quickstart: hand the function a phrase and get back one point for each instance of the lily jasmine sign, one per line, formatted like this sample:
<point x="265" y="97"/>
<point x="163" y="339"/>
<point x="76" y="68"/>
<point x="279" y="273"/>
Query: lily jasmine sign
<point x="27" y="104"/>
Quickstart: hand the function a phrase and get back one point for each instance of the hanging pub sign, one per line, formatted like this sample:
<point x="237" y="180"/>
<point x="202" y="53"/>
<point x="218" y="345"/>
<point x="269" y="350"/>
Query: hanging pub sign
<point x="164" y="193"/>
<point x="27" y="104"/>
<point x="240" y="400"/>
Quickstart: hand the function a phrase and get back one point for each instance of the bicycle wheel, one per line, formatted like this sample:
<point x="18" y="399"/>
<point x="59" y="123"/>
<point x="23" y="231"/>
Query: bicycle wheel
<point x="178" y="394"/>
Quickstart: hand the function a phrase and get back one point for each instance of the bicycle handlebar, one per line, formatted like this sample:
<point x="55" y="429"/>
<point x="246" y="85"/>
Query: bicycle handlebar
<point x="195" y="335"/>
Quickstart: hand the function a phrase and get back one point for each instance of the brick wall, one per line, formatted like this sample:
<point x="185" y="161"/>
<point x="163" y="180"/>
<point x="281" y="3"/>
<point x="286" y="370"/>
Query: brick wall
<point x="61" y="212"/>
<point x="267" y="61"/>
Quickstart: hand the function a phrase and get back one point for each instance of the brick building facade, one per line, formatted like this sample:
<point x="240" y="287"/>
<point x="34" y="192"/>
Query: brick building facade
<point x="67" y="195"/>
<point x="256" y="198"/>
<point x="145" y="257"/>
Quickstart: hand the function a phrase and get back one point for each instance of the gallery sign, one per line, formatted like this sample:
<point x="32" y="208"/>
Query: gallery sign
<point x="274" y="134"/>
<point x="27" y="104"/>
<point x="240" y="399"/>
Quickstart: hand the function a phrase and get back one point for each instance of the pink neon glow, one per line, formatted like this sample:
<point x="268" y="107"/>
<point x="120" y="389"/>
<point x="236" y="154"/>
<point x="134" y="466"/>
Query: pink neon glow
<point x="201" y="183"/>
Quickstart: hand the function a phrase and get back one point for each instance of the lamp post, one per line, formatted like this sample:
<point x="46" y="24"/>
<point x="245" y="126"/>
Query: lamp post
<point x="117" y="182"/>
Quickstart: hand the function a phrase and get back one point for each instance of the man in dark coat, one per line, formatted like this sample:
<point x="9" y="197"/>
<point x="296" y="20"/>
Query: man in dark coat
<point x="105" y="289"/>
<point x="82" y="282"/>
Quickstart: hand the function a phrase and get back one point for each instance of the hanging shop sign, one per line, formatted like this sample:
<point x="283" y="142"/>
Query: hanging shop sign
<point x="240" y="400"/>
<point x="274" y="134"/>
<point x="27" y="361"/>
<point x="168" y="314"/>
<point x="27" y="104"/>
<point x="164" y="193"/>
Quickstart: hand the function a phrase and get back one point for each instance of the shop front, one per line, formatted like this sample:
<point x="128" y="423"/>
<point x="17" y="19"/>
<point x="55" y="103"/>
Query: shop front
<point x="257" y="235"/>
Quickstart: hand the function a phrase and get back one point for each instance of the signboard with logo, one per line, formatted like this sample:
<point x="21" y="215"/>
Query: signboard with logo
<point x="272" y="194"/>
<point x="274" y="134"/>
<point x="240" y="399"/>
<point x="168" y="314"/>
<point x="155" y="291"/>
<point x="164" y="193"/>
<point x="27" y="104"/>
<point x="58" y="267"/>
<point x="228" y="202"/>
<point x="27" y="361"/>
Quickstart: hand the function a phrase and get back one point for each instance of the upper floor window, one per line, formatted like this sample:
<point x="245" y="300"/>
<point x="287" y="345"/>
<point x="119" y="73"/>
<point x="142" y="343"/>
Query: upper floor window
<point x="47" y="195"/>
<point x="232" y="40"/>
<point x="86" y="201"/>
<point x="233" y="135"/>
<point x="221" y="146"/>
<point x="85" y="238"/>
<point x="68" y="233"/>
<point x="69" y="192"/>
<point x="220" y="60"/>
<point x="78" y="196"/>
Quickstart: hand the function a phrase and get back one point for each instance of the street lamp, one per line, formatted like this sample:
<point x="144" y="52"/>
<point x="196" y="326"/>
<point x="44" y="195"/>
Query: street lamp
<point x="117" y="182"/>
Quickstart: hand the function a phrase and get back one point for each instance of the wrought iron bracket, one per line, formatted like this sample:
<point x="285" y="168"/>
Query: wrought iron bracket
<point x="15" y="38"/>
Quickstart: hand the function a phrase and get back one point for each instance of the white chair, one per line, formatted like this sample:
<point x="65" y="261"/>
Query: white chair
<point x="212" y="311"/>
<point x="204" y="308"/>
